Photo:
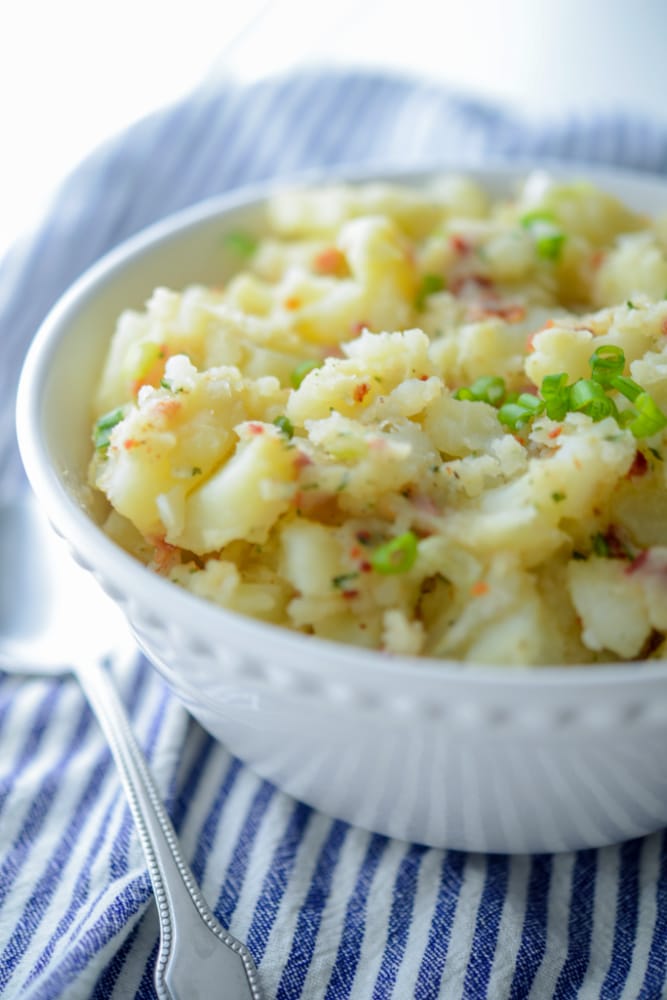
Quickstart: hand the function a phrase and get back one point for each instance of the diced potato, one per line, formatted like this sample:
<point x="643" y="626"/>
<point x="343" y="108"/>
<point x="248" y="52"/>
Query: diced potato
<point x="262" y="442"/>
<point x="611" y="605"/>
<point x="244" y="498"/>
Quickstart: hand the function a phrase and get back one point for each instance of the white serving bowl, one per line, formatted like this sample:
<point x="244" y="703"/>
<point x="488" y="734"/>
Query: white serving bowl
<point x="485" y="759"/>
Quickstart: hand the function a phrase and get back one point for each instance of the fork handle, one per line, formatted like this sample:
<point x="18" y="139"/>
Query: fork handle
<point x="198" y="958"/>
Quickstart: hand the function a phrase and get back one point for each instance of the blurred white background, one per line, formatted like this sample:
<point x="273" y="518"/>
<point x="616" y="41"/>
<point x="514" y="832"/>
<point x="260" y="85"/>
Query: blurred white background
<point x="74" y="72"/>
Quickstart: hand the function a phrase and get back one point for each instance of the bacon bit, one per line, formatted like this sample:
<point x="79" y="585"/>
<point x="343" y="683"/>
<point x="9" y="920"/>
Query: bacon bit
<point x="511" y="313"/>
<point x="292" y="302"/>
<point x="330" y="261"/>
<point x="301" y="460"/>
<point x="167" y="407"/>
<point x="460" y="244"/>
<point x="597" y="258"/>
<point x="479" y="588"/>
<point x="358" y="328"/>
<point x="530" y="346"/>
<point x="639" y="466"/>
<point x="365" y="567"/>
<point x="349" y="594"/>
<point x="423" y="378"/>
<point x="254" y="428"/>
<point x="458" y="285"/>
<point x="556" y="432"/>
<point x="360" y="391"/>
<point x="165" y="556"/>
<point x="663" y="327"/>
<point x="425" y="505"/>
<point x="637" y="563"/>
<point x="154" y="373"/>
<point x="131" y="443"/>
<point x="355" y="552"/>
<point x="617" y="546"/>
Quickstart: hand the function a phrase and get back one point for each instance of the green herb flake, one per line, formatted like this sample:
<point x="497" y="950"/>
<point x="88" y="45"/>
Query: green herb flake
<point x="630" y="304"/>
<point x="196" y="471"/>
<point x="285" y="426"/>
<point x="299" y="373"/>
<point x="339" y="582"/>
<point x="550" y="246"/>
<point x="600" y="545"/>
<point x="430" y="284"/>
<point x="104" y="426"/>
<point x="241" y="244"/>
<point x="557" y="497"/>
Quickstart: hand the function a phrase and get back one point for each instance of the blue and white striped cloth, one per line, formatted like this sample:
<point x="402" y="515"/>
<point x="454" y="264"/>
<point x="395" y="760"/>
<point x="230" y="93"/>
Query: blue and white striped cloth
<point x="328" y="911"/>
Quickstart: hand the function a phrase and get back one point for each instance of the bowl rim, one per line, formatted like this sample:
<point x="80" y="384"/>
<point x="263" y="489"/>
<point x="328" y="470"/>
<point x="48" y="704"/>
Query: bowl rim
<point x="112" y="565"/>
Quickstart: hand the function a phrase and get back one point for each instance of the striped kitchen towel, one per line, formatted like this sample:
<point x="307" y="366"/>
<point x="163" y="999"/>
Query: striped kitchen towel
<point x="328" y="911"/>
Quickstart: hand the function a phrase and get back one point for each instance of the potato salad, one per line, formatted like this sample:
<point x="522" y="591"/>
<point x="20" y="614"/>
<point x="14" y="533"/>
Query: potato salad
<point x="414" y="419"/>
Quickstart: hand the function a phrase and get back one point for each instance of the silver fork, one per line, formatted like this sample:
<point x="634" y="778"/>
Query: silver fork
<point x="55" y="619"/>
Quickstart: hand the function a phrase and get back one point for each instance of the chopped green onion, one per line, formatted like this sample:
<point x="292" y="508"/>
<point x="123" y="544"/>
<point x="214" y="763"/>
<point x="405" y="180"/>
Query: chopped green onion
<point x="549" y="238"/>
<point x="300" y="372"/>
<point x="650" y="419"/>
<point x="556" y="395"/>
<point x="285" y="426"/>
<point x="513" y="416"/>
<point x="533" y="404"/>
<point x="549" y="246"/>
<point x="589" y="397"/>
<point x="430" y="284"/>
<point x="240" y="243"/>
<point x="607" y="362"/>
<point x="539" y="215"/>
<point x="397" y="555"/>
<point x="626" y="386"/>
<point x="485" y="389"/>
<point x="104" y="427"/>
<point x="516" y="415"/>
